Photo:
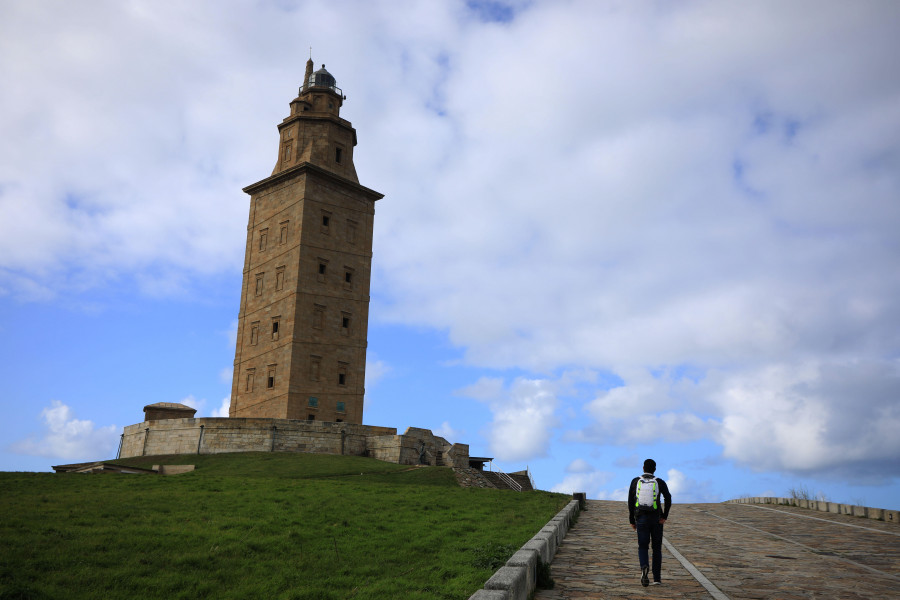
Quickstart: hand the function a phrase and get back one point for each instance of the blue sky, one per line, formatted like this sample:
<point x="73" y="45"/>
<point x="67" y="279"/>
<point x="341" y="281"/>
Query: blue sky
<point x="610" y="231"/>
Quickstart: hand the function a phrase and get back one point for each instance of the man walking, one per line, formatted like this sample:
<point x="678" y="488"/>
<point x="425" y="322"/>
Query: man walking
<point x="647" y="517"/>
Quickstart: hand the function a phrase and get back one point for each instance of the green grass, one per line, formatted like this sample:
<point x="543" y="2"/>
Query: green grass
<point x="256" y="525"/>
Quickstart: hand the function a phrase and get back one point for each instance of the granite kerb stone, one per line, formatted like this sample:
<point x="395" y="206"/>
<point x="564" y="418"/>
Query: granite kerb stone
<point x="490" y="595"/>
<point x="512" y="580"/>
<point x="517" y="579"/>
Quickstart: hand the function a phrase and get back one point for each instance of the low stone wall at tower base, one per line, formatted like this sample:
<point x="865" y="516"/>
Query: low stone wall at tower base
<point x="878" y="514"/>
<point x="219" y="435"/>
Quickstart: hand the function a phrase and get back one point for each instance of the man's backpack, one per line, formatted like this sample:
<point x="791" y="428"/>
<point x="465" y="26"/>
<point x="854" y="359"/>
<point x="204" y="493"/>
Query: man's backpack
<point x="647" y="494"/>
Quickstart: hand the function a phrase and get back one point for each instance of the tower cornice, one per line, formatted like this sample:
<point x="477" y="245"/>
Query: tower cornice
<point x="310" y="168"/>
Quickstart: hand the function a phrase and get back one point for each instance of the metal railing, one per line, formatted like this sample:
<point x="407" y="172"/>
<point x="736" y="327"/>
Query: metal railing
<point x="512" y="483"/>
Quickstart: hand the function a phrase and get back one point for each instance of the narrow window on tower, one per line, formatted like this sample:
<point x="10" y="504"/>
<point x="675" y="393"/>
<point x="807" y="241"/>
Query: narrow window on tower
<point x="315" y="367"/>
<point x="286" y="155"/>
<point x="345" y="323"/>
<point x="284" y="232"/>
<point x="275" y="322"/>
<point x="338" y="154"/>
<point x="351" y="231"/>
<point x="259" y="283"/>
<point x="318" y="320"/>
<point x="342" y="373"/>
<point x="270" y="376"/>
<point x="326" y="222"/>
<point x="320" y="274"/>
<point x="248" y="386"/>
<point x="341" y="407"/>
<point x="263" y="239"/>
<point x="348" y="278"/>
<point x="254" y="333"/>
<point x="279" y="278"/>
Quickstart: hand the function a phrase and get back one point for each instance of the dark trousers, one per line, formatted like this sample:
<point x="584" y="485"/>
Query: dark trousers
<point x="649" y="530"/>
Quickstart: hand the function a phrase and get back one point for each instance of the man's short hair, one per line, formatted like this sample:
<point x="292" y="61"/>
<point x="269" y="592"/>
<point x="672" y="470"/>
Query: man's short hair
<point x="649" y="466"/>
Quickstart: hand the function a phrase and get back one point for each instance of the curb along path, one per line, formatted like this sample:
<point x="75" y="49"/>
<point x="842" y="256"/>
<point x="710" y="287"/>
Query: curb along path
<point x="740" y="551"/>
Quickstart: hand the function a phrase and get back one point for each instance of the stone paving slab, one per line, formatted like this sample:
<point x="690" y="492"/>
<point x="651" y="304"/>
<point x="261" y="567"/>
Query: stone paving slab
<point x="745" y="551"/>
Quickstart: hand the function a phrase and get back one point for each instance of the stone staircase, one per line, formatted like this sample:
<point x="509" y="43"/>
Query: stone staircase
<point x="504" y="481"/>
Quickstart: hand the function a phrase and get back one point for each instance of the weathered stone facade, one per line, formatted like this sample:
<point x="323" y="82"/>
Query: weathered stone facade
<point x="302" y="327"/>
<point x="219" y="435"/>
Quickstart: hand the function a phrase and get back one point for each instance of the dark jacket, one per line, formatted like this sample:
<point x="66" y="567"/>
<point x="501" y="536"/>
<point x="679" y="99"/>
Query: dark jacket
<point x="665" y="503"/>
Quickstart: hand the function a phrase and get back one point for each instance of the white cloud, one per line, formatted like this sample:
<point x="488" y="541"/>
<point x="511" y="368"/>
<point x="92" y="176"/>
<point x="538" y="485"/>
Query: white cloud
<point x="222" y="411"/>
<point x="685" y="489"/>
<point x="193" y="402"/>
<point x="835" y="418"/>
<point x="448" y="433"/>
<point x="523" y="415"/>
<point x="66" y="437"/>
<point x="579" y="465"/>
<point x="376" y="370"/>
<point x="589" y="481"/>
<point x="226" y="375"/>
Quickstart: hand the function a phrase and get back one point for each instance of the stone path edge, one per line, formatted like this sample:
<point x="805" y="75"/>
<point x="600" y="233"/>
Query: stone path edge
<point x="517" y="579"/>
<point x="876" y="514"/>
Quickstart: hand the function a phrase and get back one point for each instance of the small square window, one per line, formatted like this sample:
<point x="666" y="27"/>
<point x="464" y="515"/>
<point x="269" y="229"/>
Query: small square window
<point x="275" y="327"/>
<point x="284" y="233"/>
<point x="318" y="317"/>
<point x="279" y="278"/>
<point x="270" y="377"/>
<point x="342" y="379"/>
<point x="254" y="333"/>
<point x="259" y="284"/>
<point x="340" y="407"/>
<point x="325" y="220"/>
<point x="311" y="417"/>
<point x="313" y="402"/>
<point x="248" y="387"/>
<point x="321" y="268"/>
<point x="348" y="276"/>
<point x="338" y="155"/>
<point x="287" y="153"/>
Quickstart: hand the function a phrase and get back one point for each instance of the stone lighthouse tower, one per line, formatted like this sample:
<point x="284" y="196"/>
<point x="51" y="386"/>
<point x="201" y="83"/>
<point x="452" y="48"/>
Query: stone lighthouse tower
<point x="301" y="340"/>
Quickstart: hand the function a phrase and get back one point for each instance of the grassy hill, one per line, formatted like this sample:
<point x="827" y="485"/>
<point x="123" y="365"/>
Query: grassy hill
<point x="257" y="525"/>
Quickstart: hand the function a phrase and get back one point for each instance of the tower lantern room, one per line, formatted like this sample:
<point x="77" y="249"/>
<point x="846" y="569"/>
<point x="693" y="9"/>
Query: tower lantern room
<point x="315" y="132"/>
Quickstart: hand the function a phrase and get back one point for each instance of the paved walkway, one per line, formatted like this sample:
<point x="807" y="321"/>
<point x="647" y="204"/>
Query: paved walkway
<point x="738" y="550"/>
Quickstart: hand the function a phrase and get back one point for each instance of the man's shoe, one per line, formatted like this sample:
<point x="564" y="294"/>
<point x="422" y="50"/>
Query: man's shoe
<point x="654" y="582"/>
<point x="645" y="580"/>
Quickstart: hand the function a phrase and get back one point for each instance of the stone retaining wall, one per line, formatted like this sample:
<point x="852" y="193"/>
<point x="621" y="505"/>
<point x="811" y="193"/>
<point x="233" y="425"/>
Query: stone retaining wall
<point x="517" y="580"/>
<point x="217" y="435"/>
<point x="878" y="514"/>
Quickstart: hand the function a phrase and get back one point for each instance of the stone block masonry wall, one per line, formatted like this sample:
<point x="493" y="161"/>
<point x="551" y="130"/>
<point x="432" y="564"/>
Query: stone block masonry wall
<point x="217" y="435"/>
<point x="878" y="514"/>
